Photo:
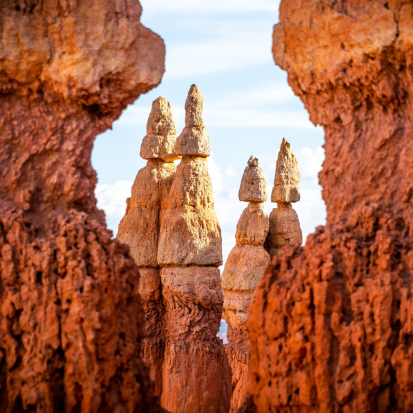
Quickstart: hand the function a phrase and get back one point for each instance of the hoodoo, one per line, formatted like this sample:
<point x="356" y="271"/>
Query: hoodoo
<point x="196" y="376"/>
<point x="71" y="317"/>
<point x="284" y="224"/>
<point x="175" y="238"/>
<point x="331" y="323"/>
<point x="139" y="227"/>
<point x="245" y="266"/>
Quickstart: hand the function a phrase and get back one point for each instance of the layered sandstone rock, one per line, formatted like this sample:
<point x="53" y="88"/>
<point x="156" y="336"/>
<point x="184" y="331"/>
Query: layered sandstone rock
<point x="71" y="318"/>
<point x="175" y="238"/>
<point x="284" y="223"/>
<point x="245" y="266"/>
<point x="196" y="376"/>
<point x="139" y="227"/>
<point x="331" y="324"/>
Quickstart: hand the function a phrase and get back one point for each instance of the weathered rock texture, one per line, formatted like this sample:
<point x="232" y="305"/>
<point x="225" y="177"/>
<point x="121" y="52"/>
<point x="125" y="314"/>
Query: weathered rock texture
<point x="287" y="176"/>
<point x="196" y="375"/>
<point x="175" y="238"/>
<point x="245" y="266"/>
<point x="331" y="324"/>
<point x="284" y="223"/>
<point x="71" y="317"/>
<point x="139" y="227"/>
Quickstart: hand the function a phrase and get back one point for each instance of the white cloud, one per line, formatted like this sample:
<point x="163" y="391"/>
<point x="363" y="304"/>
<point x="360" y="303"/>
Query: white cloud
<point x="112" y="199"/>
<point x="220" y="6"/>
<point x="310" y="163"/>
<point x="230" y="171"/>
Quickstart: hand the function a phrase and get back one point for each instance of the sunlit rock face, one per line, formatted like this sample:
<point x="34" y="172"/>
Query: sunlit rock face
<point x="245" y="266"/>
<point x="331" y="323"/>
<point x="285" y="226"/>
<point x="71" y="316"/>
<point x="174" y="235"/>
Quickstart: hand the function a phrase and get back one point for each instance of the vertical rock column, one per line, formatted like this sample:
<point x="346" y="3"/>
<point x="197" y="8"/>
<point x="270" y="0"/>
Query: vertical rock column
<point x="284" y="224"/>
<point x="139" y="227"/>
<point x="331" y="325"/>
<point x="196" y="377"/>
<point x="71" y="319"/>
<point x="244" y="268"/>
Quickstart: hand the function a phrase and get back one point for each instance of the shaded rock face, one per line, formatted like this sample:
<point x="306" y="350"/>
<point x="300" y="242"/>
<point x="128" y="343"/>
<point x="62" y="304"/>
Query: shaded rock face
<point x="71" y="317"/>
<point x="244" y="268"/>
<point x="178" y="253"/>
<point x="331" y="324"/>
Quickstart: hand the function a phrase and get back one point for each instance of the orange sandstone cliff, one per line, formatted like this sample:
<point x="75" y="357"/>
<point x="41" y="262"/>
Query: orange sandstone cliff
<point x="331" y="324"/>
<point x="71" y="317"/>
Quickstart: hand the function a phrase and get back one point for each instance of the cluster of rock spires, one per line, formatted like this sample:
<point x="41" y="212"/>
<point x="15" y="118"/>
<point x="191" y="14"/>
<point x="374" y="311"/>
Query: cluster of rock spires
<point x="257" y="237"/>
<point x="175" y="238"/>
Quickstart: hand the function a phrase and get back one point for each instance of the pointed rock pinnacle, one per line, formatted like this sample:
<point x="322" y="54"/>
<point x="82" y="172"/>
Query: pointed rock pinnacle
<point x="161" y="134"/>
<point x="253" y="184"/>
<point x="287" y="176"/>
<point x="194" y="139"/>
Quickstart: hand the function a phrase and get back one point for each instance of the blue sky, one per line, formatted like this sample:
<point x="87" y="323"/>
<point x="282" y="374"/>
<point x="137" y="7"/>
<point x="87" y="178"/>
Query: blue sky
<point x="224" y="46"/>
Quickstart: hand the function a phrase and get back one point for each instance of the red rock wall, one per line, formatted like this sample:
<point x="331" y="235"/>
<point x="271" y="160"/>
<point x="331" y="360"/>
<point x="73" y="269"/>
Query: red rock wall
<point x="71" y="317"/>
<point x="331" y="324"/>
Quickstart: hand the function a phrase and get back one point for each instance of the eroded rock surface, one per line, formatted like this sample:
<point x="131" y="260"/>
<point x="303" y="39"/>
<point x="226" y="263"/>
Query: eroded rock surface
<point x="139" y="228"/>
<point x="244" y="267"/>
<point x="71" y="318"/>
<point x="178" y="253"/>
<point x="331" y="324"/>
<point x="285" y="226"/>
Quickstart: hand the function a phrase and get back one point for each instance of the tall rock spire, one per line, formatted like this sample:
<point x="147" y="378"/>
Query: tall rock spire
<point x="284" y="224"/>
<point x="190" y="233"/>
<point x="244" y="268"/>
<point x="194" y="139"/>
<point x="287" y="176"/>
<point x="196" y="375"/>
<point x="139" y="227"/>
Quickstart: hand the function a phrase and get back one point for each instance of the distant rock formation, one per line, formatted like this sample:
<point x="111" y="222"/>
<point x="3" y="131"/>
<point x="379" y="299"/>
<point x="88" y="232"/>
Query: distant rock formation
<point x="245" y="266"/>
<point x="331" y="324"/>
<point x="284" y="224"/>
<point x="139" y="227"/>
<point x="71" y="317"/>
<point x="178" y="253"/>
